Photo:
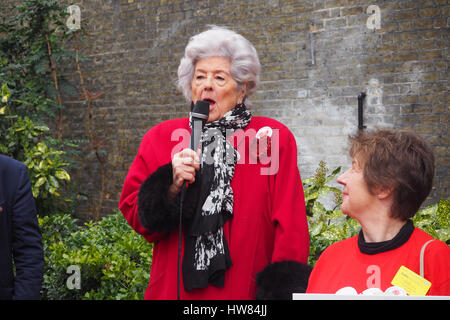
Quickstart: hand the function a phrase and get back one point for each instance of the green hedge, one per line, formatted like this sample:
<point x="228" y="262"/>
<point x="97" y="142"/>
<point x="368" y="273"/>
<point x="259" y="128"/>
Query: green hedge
<point x="113" y="260"/>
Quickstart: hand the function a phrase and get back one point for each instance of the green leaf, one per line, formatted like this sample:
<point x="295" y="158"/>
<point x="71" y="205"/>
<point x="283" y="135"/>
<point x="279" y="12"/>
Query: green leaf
<point x="443" y="234"/>
<point x="42" y="128"/>
<point x="333" y="174"/>
<point x="40" y="182"/>
<point x="311" y="196"/>
<point x="5" y="93"/>
<point x="54" y="182"/>
<point x="430" y="210"/>
<point x="41" y="147"/>
<point x="319" y="209"/>
<point x="315" y="230"/>
<point x="62" y="175"/>
<point x="443" y="213"/>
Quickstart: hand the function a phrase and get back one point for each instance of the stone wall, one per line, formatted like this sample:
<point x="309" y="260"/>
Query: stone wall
<point x="394" y="51"/>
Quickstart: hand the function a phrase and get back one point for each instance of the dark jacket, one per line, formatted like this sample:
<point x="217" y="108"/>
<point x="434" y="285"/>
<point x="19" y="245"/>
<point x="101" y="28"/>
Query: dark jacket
<point x="20" y="236"/>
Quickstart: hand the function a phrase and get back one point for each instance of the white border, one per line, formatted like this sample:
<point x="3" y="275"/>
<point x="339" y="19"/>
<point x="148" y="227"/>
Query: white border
<point x="319" y="296"/>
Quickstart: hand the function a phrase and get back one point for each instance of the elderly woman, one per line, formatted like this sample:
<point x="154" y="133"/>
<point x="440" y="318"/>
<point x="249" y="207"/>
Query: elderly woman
<point x="244" y="219"/>
<point x="390" y="176"/>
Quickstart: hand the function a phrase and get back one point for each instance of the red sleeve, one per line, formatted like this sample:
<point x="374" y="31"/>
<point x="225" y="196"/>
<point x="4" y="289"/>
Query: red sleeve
<point x="145" y="163"/>
<point x="288" y="202"/>
<point x="437" y="268"/>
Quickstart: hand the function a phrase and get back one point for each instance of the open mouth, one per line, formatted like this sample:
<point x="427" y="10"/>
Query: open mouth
<point x="211" y="102"/>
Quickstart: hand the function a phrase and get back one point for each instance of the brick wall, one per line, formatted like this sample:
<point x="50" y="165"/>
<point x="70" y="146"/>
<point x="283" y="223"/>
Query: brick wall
<point x="134" y="47"/>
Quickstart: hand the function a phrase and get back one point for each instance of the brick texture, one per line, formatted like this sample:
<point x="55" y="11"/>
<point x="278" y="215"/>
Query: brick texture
<point x="134" y="48"/>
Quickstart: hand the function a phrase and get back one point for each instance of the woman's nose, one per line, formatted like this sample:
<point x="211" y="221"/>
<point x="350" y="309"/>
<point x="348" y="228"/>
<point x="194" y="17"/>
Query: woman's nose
<point x="208" y="83"/>
<point x="341" y="179"/>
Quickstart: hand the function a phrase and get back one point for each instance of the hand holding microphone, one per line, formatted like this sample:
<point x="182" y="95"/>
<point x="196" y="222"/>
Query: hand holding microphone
<point x="187" y="162"/>
<point x="184" y="165"/>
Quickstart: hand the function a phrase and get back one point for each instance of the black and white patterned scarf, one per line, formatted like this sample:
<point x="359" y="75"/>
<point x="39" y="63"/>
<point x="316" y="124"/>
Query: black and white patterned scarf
<point x="206" y="256"/>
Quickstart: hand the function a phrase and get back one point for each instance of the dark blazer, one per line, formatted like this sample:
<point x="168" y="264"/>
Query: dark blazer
<point x="20" y="236"/>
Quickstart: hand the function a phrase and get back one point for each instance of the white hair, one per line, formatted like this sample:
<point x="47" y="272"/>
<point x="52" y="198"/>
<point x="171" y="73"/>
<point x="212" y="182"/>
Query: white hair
<point x="220" y="42"/>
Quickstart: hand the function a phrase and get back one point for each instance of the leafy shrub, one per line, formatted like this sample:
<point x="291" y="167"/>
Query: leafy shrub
<point x="23" y="139"/>
<point x="46" y="168"/>
<point x="326" y="226"/>
<point x="435" y="220"/>
<point x="114" y="261"/>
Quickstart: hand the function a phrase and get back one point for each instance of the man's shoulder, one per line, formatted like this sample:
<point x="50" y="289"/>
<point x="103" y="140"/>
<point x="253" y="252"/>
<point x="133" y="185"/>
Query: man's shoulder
<point x="12" y="174"/>
<point x="9" y="165"/>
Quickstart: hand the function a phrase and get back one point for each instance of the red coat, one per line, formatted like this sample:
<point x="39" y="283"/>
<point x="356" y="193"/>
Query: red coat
<point x="269" y="218"/>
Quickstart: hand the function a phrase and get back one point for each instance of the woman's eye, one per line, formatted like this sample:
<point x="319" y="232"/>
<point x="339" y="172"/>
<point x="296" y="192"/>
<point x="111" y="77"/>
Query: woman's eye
<point x="199" y="77"/>
<point x="220" y="78"/>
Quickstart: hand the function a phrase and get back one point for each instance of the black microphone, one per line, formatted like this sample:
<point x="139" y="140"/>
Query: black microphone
<point x="199" y="115"/>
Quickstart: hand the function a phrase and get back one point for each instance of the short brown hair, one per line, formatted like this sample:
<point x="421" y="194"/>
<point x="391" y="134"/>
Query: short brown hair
<point x="400" y="160"/>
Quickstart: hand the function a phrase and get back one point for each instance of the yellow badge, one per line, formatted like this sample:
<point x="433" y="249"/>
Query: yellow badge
<point x="413" y="284"/>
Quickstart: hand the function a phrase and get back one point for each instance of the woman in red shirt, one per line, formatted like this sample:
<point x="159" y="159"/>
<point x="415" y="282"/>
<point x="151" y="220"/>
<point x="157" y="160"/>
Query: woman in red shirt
<point x="390" y="177"/>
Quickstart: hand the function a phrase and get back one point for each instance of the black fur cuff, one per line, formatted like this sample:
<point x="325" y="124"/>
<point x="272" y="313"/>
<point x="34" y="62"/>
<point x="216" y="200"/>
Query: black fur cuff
<point x="156" y="211"/>
<point x="279" y="280"/>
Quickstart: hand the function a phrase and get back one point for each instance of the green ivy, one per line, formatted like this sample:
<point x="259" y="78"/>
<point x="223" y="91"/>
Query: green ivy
<point x="30" y="37"/>
<point x="24" y="57"/>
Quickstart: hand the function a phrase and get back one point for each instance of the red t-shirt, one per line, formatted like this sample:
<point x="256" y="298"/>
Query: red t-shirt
<point x="344" y="265"/>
